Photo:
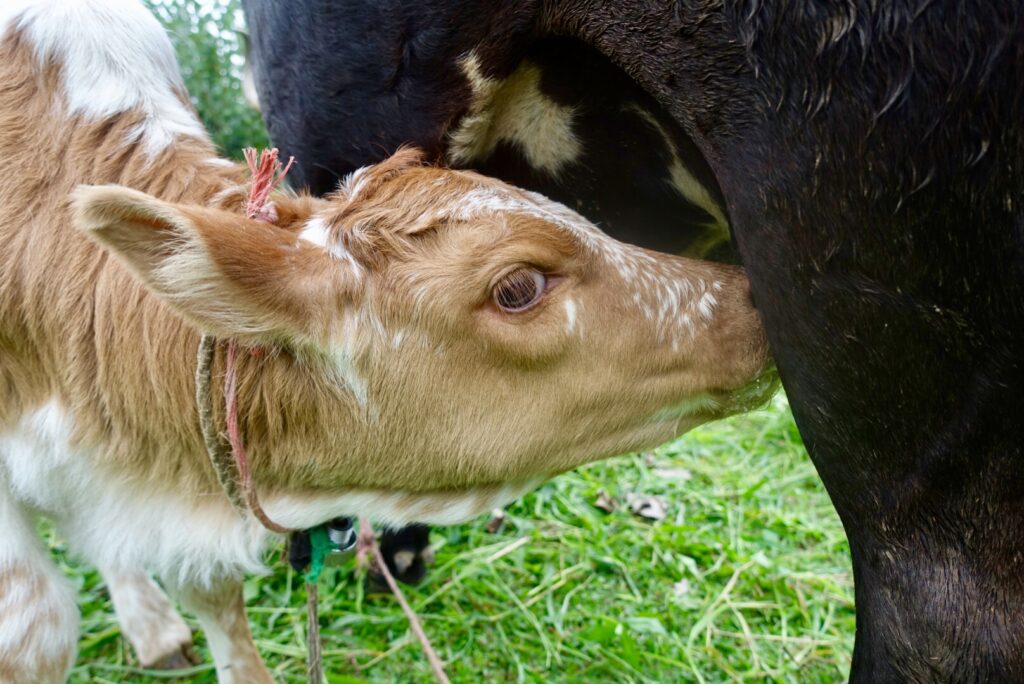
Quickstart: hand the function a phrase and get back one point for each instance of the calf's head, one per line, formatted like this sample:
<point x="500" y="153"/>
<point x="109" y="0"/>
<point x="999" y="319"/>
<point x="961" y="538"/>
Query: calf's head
<point x="439" y="331"/>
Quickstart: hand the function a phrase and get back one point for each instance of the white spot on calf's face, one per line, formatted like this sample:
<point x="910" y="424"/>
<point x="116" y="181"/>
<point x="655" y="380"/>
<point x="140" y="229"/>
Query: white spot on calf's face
<point x="570" y="315"/>
<point x="115" y="57"/>
<point x="343" y="364"/>
<point x="706" y="305"/>
<point x="316" y="232"/>
<point x="353" y="183"/>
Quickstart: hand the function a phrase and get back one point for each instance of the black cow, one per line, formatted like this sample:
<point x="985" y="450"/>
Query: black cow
<point x="868" y="158"/>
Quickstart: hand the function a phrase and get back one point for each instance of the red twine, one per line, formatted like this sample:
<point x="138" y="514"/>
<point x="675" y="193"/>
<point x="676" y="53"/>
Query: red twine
<point x="238" y="447"/>
<point x="267" y="174"/>
<point x="368" y="543"/>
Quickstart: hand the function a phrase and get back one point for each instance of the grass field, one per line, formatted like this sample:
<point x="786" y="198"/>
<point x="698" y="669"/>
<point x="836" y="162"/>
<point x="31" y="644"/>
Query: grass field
<point x="746" y="579"/>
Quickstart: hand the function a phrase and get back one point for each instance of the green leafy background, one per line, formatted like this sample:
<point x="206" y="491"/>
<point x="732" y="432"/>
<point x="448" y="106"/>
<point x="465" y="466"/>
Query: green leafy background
<point x="208" y="38"/>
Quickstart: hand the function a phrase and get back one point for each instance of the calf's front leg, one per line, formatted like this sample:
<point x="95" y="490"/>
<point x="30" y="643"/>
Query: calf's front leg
<point x="157" y="633"/>
<point x="220" y="609"/>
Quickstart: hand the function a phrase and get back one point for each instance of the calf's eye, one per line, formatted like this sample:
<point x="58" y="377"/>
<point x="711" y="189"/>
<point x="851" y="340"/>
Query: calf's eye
<point x="519" y="290"/>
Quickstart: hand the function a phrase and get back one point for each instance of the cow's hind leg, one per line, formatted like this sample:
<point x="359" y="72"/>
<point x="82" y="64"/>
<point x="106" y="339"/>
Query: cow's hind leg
<point x="38" y="614"/>
<point x="221" y="612"/>
<point x="157" y="633"/>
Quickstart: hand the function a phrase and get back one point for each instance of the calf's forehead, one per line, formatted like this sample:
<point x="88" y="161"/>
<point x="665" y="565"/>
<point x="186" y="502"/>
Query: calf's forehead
<point x="436" y="196"/>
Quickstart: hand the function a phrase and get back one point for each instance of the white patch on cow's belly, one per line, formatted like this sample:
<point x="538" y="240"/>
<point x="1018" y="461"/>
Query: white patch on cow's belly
<point x="515" y="111"/>
<point x="685" y="183"/>
<point x="115" y="524"/>
<point x="115" y="57"/>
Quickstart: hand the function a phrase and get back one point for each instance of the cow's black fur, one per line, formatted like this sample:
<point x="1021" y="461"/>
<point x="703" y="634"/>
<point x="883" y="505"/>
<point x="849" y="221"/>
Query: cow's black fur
<point x="869" y="155"/>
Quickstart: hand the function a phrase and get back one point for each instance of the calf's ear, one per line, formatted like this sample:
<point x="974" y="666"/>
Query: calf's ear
<point x="227" y="274"/>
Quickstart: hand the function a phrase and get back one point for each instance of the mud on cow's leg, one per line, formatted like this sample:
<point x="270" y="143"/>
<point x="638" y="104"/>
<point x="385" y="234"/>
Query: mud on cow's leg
<point x="157" y="633"/>
<point x="407" y="552"/>
<point x="38" y="615"/>
<point x="220" y="609"/>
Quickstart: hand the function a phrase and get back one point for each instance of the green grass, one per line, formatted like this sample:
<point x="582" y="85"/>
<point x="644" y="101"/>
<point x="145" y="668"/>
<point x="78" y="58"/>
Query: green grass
<point x="746" y="579"/>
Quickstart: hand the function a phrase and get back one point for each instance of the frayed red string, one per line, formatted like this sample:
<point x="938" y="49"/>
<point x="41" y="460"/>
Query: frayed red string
<point x="267" y="174"/>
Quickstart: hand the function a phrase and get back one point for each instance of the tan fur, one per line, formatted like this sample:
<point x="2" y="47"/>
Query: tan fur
<point x="385" y="368"/>
<point x="63" y="302"/>
<point x="121" y="362"/>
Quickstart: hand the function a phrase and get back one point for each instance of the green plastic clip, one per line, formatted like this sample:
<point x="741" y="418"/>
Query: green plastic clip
<point x="321" y="546"/>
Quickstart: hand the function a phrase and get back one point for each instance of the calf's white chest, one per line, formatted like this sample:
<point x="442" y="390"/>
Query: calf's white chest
<point x="113" y="522"/>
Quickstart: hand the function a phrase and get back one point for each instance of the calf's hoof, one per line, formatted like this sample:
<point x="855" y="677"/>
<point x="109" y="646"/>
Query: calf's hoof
<point x="182" y="659"/>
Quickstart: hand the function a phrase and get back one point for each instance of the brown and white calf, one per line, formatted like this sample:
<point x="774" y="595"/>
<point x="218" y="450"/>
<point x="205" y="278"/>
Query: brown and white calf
<point x="437" y="342"/>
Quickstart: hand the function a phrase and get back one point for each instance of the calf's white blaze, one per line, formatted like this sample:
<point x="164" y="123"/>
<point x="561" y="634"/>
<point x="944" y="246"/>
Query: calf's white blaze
<point x="570" y="316"/>
<point x="317" y="231"/>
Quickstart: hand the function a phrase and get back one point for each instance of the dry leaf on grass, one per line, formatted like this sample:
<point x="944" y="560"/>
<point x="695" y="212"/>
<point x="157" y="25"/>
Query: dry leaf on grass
<point x="648" y="507"/>
<point x="605" y="502"/>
